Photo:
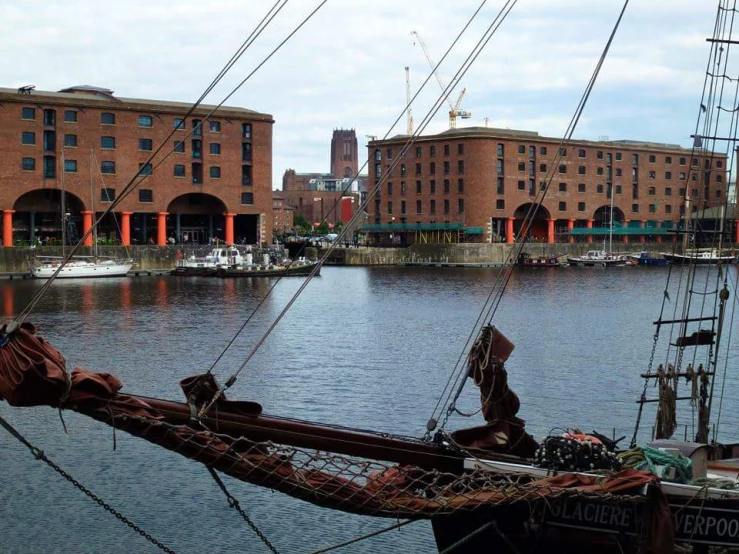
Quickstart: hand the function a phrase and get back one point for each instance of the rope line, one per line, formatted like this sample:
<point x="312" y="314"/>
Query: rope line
<point x="363" y="537"/>
<point x="39" y="455"/>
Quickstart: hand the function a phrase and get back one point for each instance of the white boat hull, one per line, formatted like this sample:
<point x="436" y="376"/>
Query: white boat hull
<point x="79" y="270"/>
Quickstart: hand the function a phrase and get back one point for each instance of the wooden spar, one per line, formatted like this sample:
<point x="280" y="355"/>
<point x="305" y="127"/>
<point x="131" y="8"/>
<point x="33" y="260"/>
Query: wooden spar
<point x="312" y="436"/>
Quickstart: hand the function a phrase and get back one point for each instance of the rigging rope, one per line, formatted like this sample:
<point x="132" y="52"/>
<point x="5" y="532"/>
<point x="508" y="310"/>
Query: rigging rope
<point x="477" y="49"/>
<point x="363" y="537"/>
<point x="39" y="455"/>
<point x="494" y="298"/>
<point x="138" y="178"/>
<point x="641" y="457"/>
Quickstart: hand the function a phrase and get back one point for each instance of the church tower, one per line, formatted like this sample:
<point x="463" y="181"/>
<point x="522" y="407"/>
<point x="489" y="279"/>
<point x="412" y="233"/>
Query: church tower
<point x="344" y="153"/>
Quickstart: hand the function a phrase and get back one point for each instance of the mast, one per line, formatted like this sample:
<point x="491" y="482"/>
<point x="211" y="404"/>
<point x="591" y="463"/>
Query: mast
<point x="610" y="234"/>
<point x="63" y="209"/>
<point x="92" y="206"/>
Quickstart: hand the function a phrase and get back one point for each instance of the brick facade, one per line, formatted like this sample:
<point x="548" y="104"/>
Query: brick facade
<point x="344" y="153"/>
<point x="101" y="140"/>
<point x="484" y="177"/>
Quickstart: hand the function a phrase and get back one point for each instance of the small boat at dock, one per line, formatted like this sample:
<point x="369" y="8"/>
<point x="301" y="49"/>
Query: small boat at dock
<point x="290" y="269"/>
<point x="598" y="258"/>
<point x="643" y="258"/>
<point x="702" y="256"/>
<point x="527" y="260"/>
<point x="194" y="266"/>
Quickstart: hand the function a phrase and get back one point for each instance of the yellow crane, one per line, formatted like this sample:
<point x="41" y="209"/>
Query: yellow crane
<point x="454" y="109"/>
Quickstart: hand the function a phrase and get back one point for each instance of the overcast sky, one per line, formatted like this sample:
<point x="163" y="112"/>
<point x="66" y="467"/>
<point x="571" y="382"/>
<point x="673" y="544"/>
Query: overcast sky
<point x="345" y="68"/>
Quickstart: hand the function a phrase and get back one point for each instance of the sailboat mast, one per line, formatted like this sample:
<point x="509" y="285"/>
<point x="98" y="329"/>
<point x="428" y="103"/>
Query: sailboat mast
<point x="92" y="206"/>
<point x="63" y="209"/>
<point x="610" y="234"/>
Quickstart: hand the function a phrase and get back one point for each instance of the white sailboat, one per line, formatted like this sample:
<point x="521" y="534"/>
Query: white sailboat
<point x="601" y="257"/>
<point x="44" y="267"/>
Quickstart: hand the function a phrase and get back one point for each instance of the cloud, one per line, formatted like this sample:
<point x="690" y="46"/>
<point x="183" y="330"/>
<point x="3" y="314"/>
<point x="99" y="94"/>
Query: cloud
<point x="345" y="68"/>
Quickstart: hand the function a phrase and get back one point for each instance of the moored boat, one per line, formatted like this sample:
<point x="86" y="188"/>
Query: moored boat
<point x="290" y="269"/>
<point x="194" y="266"/>
<point x="594" y="258"/>
<point x="701" y="257"/>
<point x="643" y="258"/>
<point x="527" y="260"/>
<point x="43" y="267"/>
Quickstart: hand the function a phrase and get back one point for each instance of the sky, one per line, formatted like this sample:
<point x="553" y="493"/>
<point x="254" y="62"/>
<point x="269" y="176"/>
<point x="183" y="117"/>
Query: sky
<point x="345" y="67"/>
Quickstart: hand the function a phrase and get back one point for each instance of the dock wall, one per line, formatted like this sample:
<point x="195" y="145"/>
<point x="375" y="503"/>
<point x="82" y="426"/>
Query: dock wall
<point x="15" y="259"/>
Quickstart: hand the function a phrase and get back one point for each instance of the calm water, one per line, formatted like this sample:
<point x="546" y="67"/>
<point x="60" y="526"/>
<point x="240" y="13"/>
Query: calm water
<point x="367" y="347"/>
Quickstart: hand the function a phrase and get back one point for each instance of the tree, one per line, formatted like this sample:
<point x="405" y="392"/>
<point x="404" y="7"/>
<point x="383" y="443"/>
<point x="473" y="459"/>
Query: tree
<point x="322" y="229"/>
<point x="301" y="224"/>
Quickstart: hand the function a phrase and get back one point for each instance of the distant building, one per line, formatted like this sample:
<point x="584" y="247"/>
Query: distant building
<point x="282" y="214"/>
<point x="478" y="184"/>
<point x="318" y="196"/>
<point x="217" y="182"/>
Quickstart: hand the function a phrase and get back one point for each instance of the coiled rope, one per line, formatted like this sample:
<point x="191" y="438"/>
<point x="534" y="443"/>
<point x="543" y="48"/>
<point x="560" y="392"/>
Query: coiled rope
<point x="641" y="457"/>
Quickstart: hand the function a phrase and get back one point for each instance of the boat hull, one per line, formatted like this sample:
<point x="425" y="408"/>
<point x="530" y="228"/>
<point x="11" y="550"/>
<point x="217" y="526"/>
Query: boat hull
<point x="699" y="260"/>
<point x="72" y="271"/>
<point x="193" y="271"/>
<point x="594" y="262"/>
<point x="235" y="271"/>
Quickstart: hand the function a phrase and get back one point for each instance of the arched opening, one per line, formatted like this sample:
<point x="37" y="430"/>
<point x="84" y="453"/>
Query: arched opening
<point x="602" y="216"/>
<point x="538" y="226"/>
<point x="196" y="218"/>
<point x="39" y="216"/>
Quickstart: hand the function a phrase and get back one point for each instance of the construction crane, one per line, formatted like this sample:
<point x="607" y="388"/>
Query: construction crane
<point x="454" y="109"/>
<point x="408" y="100"/>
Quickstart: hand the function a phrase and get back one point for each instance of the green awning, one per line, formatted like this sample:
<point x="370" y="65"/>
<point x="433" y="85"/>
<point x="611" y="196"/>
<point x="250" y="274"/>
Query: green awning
<point x="582" y="231"/>
<point x="473" y="230"/>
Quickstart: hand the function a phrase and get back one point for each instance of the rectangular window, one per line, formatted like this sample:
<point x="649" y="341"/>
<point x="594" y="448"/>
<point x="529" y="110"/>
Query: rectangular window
<point x="107" y="167"/>
<point x="651" y="191"/>
<point x="247" y="198"/>
<point x="178" y="123"/>
<point x="719" y="178"/>
<point x="668" y="209"/>
<point x="609" y="158"/>
<point x="49" y="140"/>
<point x="418" y="151"/>
<point x="543" y="150"/>
<point x="500" y="204"/>
<point x="390" y="208"/>
<point x="145" y="169"/>
<point x="246" y="130"/>
<point x="681" y="176"/>
<point x="618" y="189"/>
<point x="446" y="186"/>
<point x="460" y="205"/>
<point x="215" y="172"/>
<point x="432" y="207"/>
<point x="460" y="149"/>
<point x="652" y="159"/>
<point x="70" y="141"/>
<point x="432" y="186"/>
<point x="542" y="168"/>
<point x="581" y="187"/>
<point x="719" y="164"/>
<point x="668" y="191"/>
<point x="179" y="146"/>
<point x="668" y="159"/>
<point x="179" y="170"/>
<point x="432" y="168"/>
<point x="563" y="206"/>
<point x="652" y="208"/>
<point x="70" y="116"/>
<point x="581" y="170"/>
<point x="581" y="153"/>
<point x="532" y="151"/>
<point x="197" y="173"/>
<point x="446" y="149"/>
<point x="50" y="117"/>
<point x="682" y="161"/>
<point x="618" y="156"/>
<point x="107" y="195"/>
<point x="215" y="148"/>
<point x="390" y="188"/>
<point x="419" y="207"/>
<point x="28" y="137"/>
<point x="563" y="151"/>
<point x="599" y="171"/>
<point x="418" y="169"/>
<point x="460" y="186"/>
<point x="107" y="143"/>
<point x="197" y="148"/>
<point x="107" y="118"/>
<point x="402" y="188"/>
<point x="501" y="186"/>
<point x="28" y="114"/>
<point x="402" y="170"/>
<point x="419" y="187"/>
<point x="432" y="150"/>
<point x="599" y="189"/>
<point x="521" y="166"/>
<point x="501" y="148"/>
<point x="28" y="164"/>
<point x="246" y="155"/>
<point x="563" y="187"/>
<point x="446" y="205"/>
<point x="197" y="128"/>
<point x="246" y="175"/>
<point x="599" y="154"/>
<point x="146" y="196"/>
<point x="652" y="174"/>
<point x="581" y="206"/>
<point x="389" y="153"/>
<point x="145" y="145"/>
<point x="563" y="168"/>
<point x="402" y="207"/>
<point x="49" y="167"/>
<point x="619" y="172"/>
<point x="446" y="168"/>
<point x="215" y="126"/>
<point x="522" y="185"/>
<point x="521" y="148"/>
<point x="146" y="121"/>
<point x="635" y="208"/>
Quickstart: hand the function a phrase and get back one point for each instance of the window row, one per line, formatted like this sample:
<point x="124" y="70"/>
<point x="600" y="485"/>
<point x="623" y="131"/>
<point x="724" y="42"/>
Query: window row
<point x="447" y="149"/>
<point x="431" y="187"/>
<point x="419" y="169"/>
<point x="445" y="206"/>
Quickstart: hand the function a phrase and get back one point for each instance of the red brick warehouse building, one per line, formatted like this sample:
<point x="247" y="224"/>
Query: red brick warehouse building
<point x="478" y="184"/>
<point x="89" y="143"/>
